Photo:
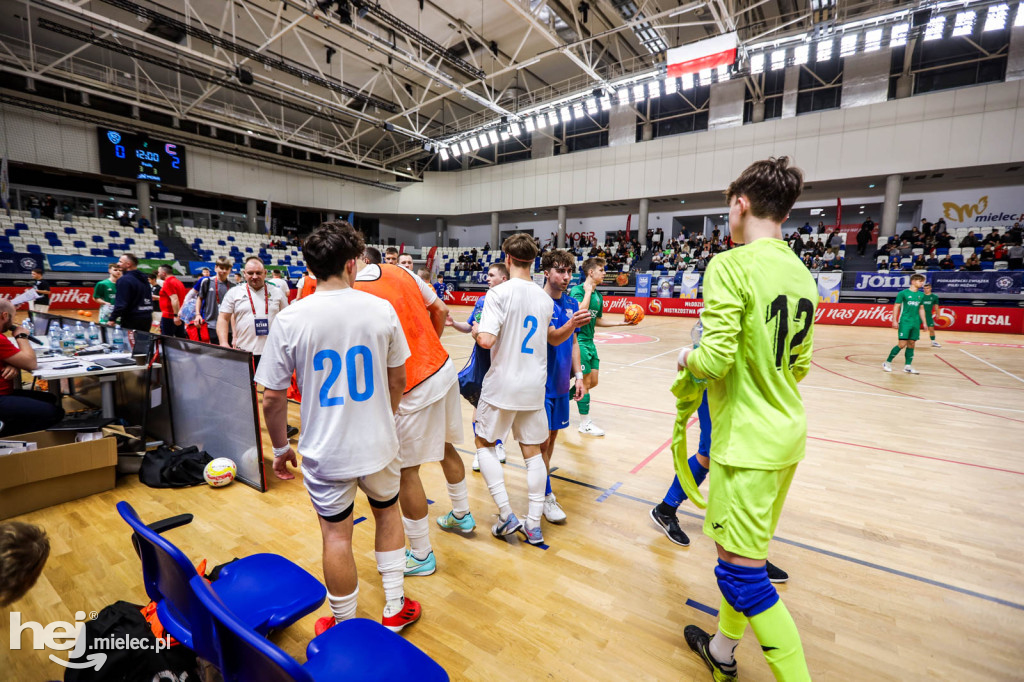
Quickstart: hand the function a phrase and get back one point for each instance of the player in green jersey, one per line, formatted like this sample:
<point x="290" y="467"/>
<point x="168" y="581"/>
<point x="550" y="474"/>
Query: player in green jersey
<point x="930" y="303"/>
<point x="907" y="318"/>
<point x="590" y="298"/>
<point x="105" y="291"/>
<point x="758" y="318"/>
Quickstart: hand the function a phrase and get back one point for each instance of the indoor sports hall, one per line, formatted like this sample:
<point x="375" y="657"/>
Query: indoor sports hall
<point x="169" y="169"/>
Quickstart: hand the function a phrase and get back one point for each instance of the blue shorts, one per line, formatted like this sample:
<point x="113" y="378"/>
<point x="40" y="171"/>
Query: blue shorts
<point x="558" y="412"/>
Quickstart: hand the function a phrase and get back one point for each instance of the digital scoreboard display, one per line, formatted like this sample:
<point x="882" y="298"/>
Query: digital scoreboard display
<point x="128" y="155"/>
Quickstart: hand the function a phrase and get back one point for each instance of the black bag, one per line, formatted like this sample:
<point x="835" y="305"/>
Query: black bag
<point x="121" y="620"/>
<point x="166" y="468"/>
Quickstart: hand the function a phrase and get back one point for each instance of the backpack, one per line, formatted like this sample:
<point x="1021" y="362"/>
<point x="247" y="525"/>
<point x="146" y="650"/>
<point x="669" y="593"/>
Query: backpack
<point x="166" y="468"/>
<point x="471" y="378"/>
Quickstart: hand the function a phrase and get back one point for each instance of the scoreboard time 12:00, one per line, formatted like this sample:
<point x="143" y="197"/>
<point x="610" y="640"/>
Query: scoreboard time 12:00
<point x="128" y="155"/>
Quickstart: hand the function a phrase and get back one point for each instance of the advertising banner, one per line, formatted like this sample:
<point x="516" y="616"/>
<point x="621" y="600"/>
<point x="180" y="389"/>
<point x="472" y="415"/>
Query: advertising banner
<point x="643" y="284"/>
<point x="20" y="263"/>
<point x="688" y="283"/>
<point x="294" y="271"/>
<point x="975" y="207"/>
<point x="829" y="284"/>
<point x="151" y="264"/>
<point x="996" y="282"/>
<point x="195" y="267"/>
<point x="77" y="263"/>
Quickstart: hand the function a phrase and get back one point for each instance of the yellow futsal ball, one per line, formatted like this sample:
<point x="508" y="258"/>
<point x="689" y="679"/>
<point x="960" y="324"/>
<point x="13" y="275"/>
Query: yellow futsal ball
<point x="219" y="472"/>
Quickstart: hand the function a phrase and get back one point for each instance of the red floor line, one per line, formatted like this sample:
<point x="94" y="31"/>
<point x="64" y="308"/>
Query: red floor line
<point x="911" y="454"/>
<point x="633" y="407"/>
<point x="651" y="456"/>
<point x="957" y="369"/>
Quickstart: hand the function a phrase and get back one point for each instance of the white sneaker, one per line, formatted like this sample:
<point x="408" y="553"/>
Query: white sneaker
<point x="935" y="344"/>
<point x="552" y="510"/>
<point x="499" y="450"/>
<point x="910" y="370"/>
<point x="590" y="429"/>
<point x="476" y="463"/>
<point x="886" y="367"/>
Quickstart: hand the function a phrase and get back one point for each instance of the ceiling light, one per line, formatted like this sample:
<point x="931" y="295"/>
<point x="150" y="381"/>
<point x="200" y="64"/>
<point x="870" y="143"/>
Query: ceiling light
<point x="848" y="45"/>
<point x="592" y="106"/>
<point x="705" y="77"/>
<point x="682" y="201"/>
<point x="757" y="62"/>
<point x="778" y="59"/>
<point x="606" y="103"/>
<point x="528" y="122"/>
<point x="516" y="129"/>
<point x="824" y="51"/>
<point x="723" y="73"/>
<point x="801" y="53"/>
<point x="577" y="112"/>
<point x="456" y="150"/>
<point x="638" y="92"/>
<point x="871" y="186"/>
<point x="444" y="154"/>
<point x="686" y="82"/>
<point x="654" y="89"/>
<point x="995" y="20"/>
<point x="541" y="121"/>
<point x="964" y="24"/>
<point x="873" y="40"/>
<point x="467" y="146"/>
<point x="565" y="114"/>
<point x="553" y="118"/>
<point x="622" y="95"/>
<point x="934" y="29"/>
<point x="492" y="136"/>
<point x="898" y="37"/>
<point x="1019" y="20"/>
<point x="474" y="144"/>
<point x="671" y="85"/>
<point x="505" y="136"/>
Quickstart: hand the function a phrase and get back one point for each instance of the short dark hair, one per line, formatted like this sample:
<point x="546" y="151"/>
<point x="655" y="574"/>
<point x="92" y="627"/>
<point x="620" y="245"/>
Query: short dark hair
<point x="330" y="247"/>
<point x="151" y="275"/>
<point x="915" y="278"/>
<point x="132" y="258"/>
<point x="521" y="247"/>
<point x="501" y="268"/>
<point x="557" y="258"/>
<point x="391" y="250"/>
<point x="372" y="254"/>
<point x="24" y="549"/>
<point x="115" y="266"/>
<point x="39" y="270"/>
<point x="223" y="262"/>
<point x="166" y="268"/>
<point x="592" y="263"/>
<point x="771" y="186"/>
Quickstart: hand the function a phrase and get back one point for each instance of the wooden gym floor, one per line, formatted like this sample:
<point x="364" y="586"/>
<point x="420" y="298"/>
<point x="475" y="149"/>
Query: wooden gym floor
<point x="901" y="533"/>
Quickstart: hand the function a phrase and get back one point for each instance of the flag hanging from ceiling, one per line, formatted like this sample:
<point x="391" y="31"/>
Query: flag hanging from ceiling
<point x="5" y="187"/>
<point x="704" y="54"/>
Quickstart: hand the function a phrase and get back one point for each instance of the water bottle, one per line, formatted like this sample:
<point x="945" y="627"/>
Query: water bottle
<point x="67" y="341"/>
<point x="80" y="339"/>
<point x="696" y="333"/>
<point x="94" y="334"/>
<point x="117" y="340"/>
<point x="29" y="328"/>
<point x="55" y="338"/>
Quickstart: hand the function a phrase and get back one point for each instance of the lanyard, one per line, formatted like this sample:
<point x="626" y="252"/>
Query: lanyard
<point x="266" y="300"/>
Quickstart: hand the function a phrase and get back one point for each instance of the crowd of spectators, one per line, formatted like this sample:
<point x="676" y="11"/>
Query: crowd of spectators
<point x="922" y="246"/>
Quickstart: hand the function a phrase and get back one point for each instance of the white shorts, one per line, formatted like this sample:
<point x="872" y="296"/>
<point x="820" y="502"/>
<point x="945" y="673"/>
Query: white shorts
<point x="529" y="427"/>
<point x="331" y="498"/>
<point x="423" y="433"/>
<point x="38" y="307"/>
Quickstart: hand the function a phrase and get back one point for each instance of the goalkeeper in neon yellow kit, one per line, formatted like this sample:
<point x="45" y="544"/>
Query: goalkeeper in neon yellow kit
<point x="758" y="317"/>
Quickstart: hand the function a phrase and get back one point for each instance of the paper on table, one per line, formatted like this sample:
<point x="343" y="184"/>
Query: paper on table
<point x="25" y="297"/>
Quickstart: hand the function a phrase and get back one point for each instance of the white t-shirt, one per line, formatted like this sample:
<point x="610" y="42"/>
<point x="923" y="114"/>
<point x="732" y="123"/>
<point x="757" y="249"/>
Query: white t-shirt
<point x="519" y="314"/>
<point x="340" y="344"/>
<point x="435" y="387"/>
<point x="236" y="303"/>
<point x="280" y="284"/>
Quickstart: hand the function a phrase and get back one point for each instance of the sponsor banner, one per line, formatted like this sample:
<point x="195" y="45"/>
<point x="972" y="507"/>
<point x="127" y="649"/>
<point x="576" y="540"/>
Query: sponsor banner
<point x="665" y="286"/>
<point x="999" y="282"/>
<point x="688" y="283"/>
<point x="952" y="318"/>
<point x="643" y="284"/>
<point x="11" y="292"/>
<point x="463" y="297"/>
<point x="829" y="284"/>
<point x="20" y="263"/>
<point x="77" y="263"/>
<point x="148" y="265"/>
<point x="975" y="207"/>
<point x="196" y="267"/>
<point x="294" y="271"/>
<point x="61" y="298"/>
<point x="702" y="55"/>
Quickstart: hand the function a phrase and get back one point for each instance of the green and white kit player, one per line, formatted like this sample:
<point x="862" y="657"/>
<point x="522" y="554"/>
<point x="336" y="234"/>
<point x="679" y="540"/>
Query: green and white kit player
<point x="907" y="318"/>
<point x="930" y="303"/>
<point x="590" y="298"/>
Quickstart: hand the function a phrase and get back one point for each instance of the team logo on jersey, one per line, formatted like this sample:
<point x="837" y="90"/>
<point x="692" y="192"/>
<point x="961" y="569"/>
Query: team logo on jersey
<point x="961" y="212"/>
<point x="655" y="306"/>
<point x="945" y="318"/>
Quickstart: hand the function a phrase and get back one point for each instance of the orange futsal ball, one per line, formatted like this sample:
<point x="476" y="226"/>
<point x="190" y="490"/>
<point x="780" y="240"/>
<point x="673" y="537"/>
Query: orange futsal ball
<point x="634" y="313"/>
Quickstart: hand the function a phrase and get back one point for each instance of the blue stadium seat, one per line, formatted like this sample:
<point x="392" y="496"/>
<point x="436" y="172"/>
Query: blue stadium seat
<point x="231" y="238"/>
<point x="70" y="230"/>
<point x="114" y="233"/>
<point x="957" y="259"/>
<point x="139" y="230"/>
<point x="33" y="248"/>
<point x="99" y="252"/>
<point x="50" y="235"/>
<point x="127" y="241"/>
<point x="79" y="244"/>
<point x="55" y="242"/>
<point x="11" y="232"/>
<point x="6" y="248"/>
<point x="20" y="226"/>
<point x="941" y="252"/>
<point x="221" y="242"/>
<point x="97" y="239"/>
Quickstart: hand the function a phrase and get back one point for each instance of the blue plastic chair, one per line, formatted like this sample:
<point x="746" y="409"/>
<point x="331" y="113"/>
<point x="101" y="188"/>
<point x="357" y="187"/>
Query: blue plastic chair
<point x="264" y="591"/>
<point x="356" y="649"/>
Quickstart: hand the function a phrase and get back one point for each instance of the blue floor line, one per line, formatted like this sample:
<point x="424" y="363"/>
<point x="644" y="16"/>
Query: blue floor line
<point x="702" y="607"/>
<point x="359" y="520"/>
<point x="611" y="491"/>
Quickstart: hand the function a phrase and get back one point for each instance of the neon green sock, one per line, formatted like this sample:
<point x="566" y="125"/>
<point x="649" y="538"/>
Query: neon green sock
<point x="731" y="622"/>
<point x="910" y="355"/>
<point x="583" y="404"/>
<point x="893" y="353"/>
<point x="780" y="642"/>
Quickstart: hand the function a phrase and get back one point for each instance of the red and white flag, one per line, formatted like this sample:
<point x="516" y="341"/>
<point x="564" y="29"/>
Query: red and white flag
<point x="433" y="262"/>
<point x="401" y="249"/>
<point x="702" y="55"/>
<point x="839" y="211"/>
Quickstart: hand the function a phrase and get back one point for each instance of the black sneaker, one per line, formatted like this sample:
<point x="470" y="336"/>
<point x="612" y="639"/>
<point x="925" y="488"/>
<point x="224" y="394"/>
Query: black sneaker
<point x="291" y="431"/>
<point x="776" y="574"/>
<point x="699" y="641"/>
<point x="670" y="524"/>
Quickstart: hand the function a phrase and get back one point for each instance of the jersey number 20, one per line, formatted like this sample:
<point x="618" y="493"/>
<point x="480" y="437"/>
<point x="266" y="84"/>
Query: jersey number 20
<point x="320" y="362"/>
<point x="780" y="308"/>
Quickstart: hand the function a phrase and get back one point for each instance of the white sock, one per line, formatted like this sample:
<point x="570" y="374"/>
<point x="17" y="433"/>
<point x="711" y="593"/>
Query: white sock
<point x="418" y="532"/>
<point x="536" y="481"/>
<point x="584" y="420"/>
<point x="391" y="566"/>
<point x="722" y="649"/>
<point x="459" y="495"/>
<point x="343" y="608"/>
<point x="494" y="477"/>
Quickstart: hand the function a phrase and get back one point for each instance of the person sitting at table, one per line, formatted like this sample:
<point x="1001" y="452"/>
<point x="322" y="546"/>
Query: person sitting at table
<point x="21" y="411"/>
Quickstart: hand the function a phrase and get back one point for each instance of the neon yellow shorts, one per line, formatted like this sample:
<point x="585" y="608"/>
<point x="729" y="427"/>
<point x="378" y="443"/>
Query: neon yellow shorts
<point x="744" y="506"/>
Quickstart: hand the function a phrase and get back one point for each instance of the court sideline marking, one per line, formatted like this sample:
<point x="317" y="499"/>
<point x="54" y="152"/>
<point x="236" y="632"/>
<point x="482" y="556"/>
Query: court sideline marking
<point x="1009" y="374"/>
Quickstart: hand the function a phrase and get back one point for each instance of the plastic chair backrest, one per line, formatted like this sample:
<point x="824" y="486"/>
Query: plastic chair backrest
<point x="241" y="654"/>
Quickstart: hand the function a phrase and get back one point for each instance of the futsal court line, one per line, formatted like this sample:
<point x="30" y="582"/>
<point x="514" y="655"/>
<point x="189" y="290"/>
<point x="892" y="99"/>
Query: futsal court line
<point x="673" y="350"/>
<point x="908" y="397"/>
<point x="1009" y="374"/>
<point x="818" y="550"/>
<point x="957" y="369"/>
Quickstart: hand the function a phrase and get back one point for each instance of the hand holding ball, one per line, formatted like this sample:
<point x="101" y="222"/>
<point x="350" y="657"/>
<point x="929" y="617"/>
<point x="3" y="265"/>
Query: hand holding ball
<point x="220" y="472"/>
<point x="634" y="313"/>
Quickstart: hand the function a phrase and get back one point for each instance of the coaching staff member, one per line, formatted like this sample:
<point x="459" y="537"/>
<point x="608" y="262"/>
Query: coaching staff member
<point x="133" y="305"/>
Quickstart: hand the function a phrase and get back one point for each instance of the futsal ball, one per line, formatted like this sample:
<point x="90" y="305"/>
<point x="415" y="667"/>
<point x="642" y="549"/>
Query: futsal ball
<point x="634" y="313"/>
<point x="219" y="472"/>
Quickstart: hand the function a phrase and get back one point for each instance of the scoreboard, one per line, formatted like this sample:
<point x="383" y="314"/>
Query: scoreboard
<point x="140" y="157"/>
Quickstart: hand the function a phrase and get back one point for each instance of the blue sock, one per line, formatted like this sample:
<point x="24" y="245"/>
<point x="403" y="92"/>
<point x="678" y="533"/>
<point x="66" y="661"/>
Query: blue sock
<point x="547" y="488"/>
<point x="675" y="495"/>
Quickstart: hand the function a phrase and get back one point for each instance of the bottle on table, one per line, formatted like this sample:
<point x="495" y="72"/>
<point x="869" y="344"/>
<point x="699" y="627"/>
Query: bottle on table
<point x="94" y="334"/>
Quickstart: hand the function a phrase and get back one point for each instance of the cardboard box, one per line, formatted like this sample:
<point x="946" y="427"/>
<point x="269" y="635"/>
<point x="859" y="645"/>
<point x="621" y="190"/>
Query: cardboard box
<point x="58" y="471"/>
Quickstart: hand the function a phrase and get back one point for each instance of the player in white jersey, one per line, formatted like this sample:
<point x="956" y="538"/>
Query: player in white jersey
<point x="348" y="352"/>
<point x="516" y="327"/>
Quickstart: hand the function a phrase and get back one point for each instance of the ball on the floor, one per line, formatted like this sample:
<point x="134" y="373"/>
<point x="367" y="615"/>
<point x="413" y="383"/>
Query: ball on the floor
<point x="634" y="313"/>
<point x="220" y="472"/>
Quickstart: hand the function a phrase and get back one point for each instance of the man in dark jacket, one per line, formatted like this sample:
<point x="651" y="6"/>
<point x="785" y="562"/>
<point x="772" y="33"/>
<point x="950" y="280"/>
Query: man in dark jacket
<point x="864" y="235"/>
<point x="133" y="305"/>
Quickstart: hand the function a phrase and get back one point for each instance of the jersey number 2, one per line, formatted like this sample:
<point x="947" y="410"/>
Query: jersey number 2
<point x="530" y="323"/>
<point x="320" y="361"/>
<point x="780" y="308"/>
